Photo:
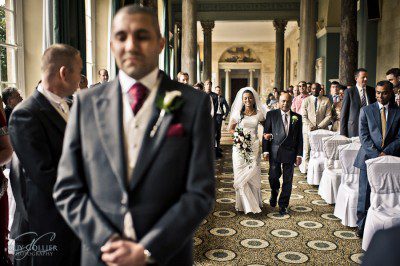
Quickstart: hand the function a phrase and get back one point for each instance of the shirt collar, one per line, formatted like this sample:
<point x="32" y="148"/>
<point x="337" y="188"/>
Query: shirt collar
<point x="127" y="82"/>
<point x="380" y="106"/>
<point x="53" y="97"/>
<point x="283" y="113"/>
<point x="359" y="88"/>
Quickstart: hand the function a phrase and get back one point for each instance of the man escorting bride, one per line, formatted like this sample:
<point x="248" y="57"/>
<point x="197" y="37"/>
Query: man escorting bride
<point x="246" y="115"/>
<point x="282" y="146"/>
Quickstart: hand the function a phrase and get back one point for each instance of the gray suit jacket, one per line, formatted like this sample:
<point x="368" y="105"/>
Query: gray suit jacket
<point x="321" y="117"/>
<point x="172" y="187"/>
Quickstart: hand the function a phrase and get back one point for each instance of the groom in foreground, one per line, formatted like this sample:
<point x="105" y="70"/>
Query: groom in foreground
<point x="283" y="146"/>
<point x="136" y="176"/>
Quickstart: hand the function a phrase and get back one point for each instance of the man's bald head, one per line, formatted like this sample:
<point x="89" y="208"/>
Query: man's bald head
<point x="136" y="9"/>
<point x="57" y="56"/>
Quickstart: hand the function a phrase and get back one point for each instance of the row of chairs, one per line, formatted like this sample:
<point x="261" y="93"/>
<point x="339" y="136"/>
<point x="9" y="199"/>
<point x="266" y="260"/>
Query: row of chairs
<point x="331" y="168"/>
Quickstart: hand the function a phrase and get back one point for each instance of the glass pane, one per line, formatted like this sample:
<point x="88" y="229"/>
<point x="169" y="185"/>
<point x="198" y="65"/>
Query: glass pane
<point x="9" y="4"/>
<point x="6" y="27"/>
<point x="8" y="65"/>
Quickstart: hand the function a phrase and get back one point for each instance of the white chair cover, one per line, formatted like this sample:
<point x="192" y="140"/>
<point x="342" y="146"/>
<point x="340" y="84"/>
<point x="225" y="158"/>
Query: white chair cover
<point x="317" y="156"/>
<point x="330" y="181"/>
<point x="384" y="178"/>
<point x="347" y="197"/>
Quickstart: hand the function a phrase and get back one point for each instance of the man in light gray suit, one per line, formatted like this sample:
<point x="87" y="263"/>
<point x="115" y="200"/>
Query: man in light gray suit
<point x="136" y="177"/>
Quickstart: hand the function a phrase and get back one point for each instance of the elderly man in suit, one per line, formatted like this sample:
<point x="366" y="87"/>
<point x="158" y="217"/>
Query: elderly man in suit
<point x="36" y="129"/>
<point x="136" y="177"/>
<point x="354" y="99"/>
<point x="316" y="113"/>
<point x="103" y="77"/>
<point x="282" y="145"/>
<point x="380" y="135"/>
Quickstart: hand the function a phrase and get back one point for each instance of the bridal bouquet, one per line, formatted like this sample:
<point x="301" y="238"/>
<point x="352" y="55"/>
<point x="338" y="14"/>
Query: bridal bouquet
<point x="242" y="142"/>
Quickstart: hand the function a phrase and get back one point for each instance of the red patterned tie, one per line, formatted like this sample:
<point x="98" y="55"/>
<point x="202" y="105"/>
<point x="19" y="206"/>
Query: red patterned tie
<point x="138" y="94"/>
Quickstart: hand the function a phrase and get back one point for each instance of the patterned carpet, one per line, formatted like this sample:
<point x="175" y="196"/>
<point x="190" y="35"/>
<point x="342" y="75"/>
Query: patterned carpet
<point x="309" y="234"/>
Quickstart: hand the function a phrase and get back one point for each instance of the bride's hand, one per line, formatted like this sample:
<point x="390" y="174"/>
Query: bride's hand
<point x="232" y="131"/>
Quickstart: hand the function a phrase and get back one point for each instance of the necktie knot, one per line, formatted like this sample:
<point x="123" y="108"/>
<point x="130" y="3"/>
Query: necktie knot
<point x="138" y="94"/>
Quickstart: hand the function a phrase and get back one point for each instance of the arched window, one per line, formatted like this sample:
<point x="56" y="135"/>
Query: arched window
<point x="288" y="64"/>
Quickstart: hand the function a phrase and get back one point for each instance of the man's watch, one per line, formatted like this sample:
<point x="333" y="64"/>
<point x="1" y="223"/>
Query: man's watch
<point x="149" y="259"/>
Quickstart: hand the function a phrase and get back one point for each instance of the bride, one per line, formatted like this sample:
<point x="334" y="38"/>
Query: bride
<point x="246" y="114"/>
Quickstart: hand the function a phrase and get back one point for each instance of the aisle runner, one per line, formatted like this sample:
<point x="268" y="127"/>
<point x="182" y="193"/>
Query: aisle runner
<point x="309" y="234"/>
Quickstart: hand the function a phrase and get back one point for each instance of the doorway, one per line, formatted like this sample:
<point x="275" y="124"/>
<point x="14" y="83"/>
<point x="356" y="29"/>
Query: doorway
<point x="236" y="85"/>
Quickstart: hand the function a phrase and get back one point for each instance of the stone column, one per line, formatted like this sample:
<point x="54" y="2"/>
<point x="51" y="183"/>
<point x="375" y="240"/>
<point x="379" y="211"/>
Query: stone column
<point x="280" y="26"/>
<point x="207" y="31"/>
<point x="251" y="78"/>
<point x="308" y="41"/>
<point x="227" y="86"/>
<point x="189" y="39"/>
<point x="348" y="42"/>
<point x="177" y="47"/>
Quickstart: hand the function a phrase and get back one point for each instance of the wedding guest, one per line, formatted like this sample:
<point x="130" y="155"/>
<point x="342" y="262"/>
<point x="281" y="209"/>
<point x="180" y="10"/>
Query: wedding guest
<point x="336" y="108"/>
<point x="103" y="77"/>
<point x="335" y="86"/>
<point x="183" y="77"/>
<point x="136" y="194"/>
<point x="214" y="99"/>
<point x="316" y="112"/>
<point x="282" y="147"/>
<point x="199" y="86"/>
<point x="5" y="156"/>
<point x="296" y="91"/>
<point x="393" y="75"/>
<point x="83" y="84"/>
<point x="221" y="114"/>
<point x="11" y="98"/>
<point x="297" y="102"/>
<point x="37" y="128"/>
<point x="354" y="99"/>
<point x="378" y="138"/>
<point x="309" y="88"/>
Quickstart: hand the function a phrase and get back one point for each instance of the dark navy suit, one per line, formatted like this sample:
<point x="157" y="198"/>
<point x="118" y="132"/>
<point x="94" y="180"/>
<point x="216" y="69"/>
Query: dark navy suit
<point x="370" y="131"/>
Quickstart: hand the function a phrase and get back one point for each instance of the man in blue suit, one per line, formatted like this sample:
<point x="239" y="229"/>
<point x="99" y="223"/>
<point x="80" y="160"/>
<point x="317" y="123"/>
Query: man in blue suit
<point x="379" y="132"/>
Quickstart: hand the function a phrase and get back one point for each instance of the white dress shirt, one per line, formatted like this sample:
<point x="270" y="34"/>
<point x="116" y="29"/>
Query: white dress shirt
<point x="135" y="127"/>
<point x="59" y="103"/>
<point x="362" y="91"/>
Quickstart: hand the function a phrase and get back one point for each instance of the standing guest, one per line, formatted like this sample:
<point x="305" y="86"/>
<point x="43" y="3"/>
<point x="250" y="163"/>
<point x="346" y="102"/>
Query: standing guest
<point x="83" y="84"/>
<point x="103" y="77"/>
<point x="183" y="77"/>
<point x="199" y="86"/>
<point x="290" y="90"/>
<point x="214" y="99"/>
<point x="354" y="99"/>
<point x="37" y="128"/>
<point x="275" y="92"/>
<point x="296" y="91"/>
<point x="297" y="102"/>
<point x="282" y="146"/>
<point x="393" y="75"/>
<point x="379" y="136"/>
<point x="316" y="111"/>
<point x="309" y="88"/>
<point x="133" y="184"/>
<point x="5" y="156"/>
<point x="11" y="98"/>
<point x="221" y="114"/>
<point x="336" y="108"/>
<point x="335" y="86"/>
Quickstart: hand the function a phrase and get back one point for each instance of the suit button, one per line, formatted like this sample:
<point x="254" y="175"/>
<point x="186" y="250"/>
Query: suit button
<point x="124" y="200"/>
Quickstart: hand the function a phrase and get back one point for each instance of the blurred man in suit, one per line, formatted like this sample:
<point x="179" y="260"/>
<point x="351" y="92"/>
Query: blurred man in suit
<point x="393" y="75"/>
<point x="354" y="99"/>
<point x="11" y="98"/>
<point x="135" y="181"/>
<point x="36" y="129"/>
<point x="222" y="112"/>
<point x="282" y="146"/>
<point x="103" y="77"/>
<point x="379" y="135"/>
<point x="214" y="108"/>
<point x="316" y="113"/>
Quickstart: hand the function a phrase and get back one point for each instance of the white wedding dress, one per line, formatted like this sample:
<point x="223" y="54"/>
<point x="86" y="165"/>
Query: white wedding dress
<point x="247" y="176"/>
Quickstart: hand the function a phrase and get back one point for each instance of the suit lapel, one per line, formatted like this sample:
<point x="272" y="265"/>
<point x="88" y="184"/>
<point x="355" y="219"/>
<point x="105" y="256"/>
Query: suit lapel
<point x="376" y="115"/>
<point x="108" y="116"/>
<point x="150" y="146"/>
<point x="50" y="112"/>
<point x="357" y="96"/>
<point x="392" y="112"/>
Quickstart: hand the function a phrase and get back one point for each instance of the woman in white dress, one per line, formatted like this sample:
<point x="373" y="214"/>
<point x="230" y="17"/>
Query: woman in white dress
<point x="247" y="114"/>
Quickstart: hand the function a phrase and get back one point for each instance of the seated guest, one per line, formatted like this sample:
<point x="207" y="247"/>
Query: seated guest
<point x="37" y="128"/>
<point x="183" y="77"/>
<point x="335" y="86"/>
<point x="103" y="77"/>
<point x="379" y="128"/>
<point x="11" y="98"/>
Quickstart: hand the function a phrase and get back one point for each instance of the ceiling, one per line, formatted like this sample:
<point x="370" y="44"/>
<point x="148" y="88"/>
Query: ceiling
<point x="244" y="31"/>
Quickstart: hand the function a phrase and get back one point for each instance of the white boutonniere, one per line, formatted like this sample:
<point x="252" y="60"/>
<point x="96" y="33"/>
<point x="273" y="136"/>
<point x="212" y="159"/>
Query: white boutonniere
<point x="171" y="102"/>
<point x="294" y="119"/>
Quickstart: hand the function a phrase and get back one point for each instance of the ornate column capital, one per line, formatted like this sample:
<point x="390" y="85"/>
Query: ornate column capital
<point x="207" y="26"/>
<point x="252" y="70"/>
<point x="227" y="70"/>
<point x="280" y="24"/>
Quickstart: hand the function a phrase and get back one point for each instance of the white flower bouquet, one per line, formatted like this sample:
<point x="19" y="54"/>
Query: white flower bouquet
<point x="242" y="142"/>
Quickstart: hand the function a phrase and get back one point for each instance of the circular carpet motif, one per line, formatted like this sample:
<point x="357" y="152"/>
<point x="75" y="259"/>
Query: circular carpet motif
<point x="300" y="209"/>
<point x="320" y="202"/>
<point x="226" y="189"/>
<point x="224" y="214"/>
<point x="254" y="243"/>
<point x="220" y="255"/>
<point x="345" y="234"/>
<point x="223" y="231"/>
<point x="292" y="257"/>
<point x="252" y="223"/>
<point x="197" y="241"/>
<point x="321" y="245"/>
<point x="225" y="200"/>
<point x="310" y="224"/>
<point x="284" y="233"/>
<point x="276" y="215"/>
<point x="330" y="216"/>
